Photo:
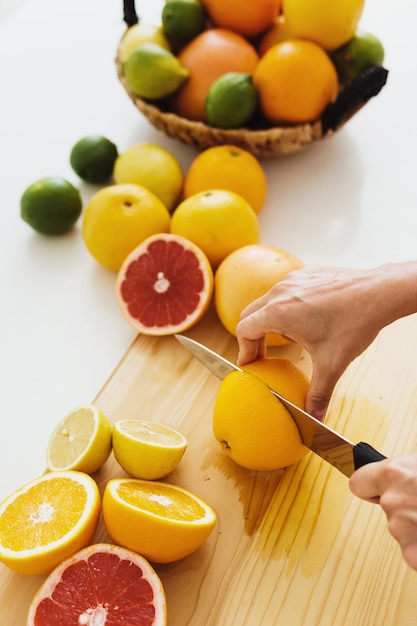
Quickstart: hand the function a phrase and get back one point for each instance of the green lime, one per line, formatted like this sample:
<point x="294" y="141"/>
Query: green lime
<point x="153" y="72"/>
<point x="362" y="51"/>
<point x="138" y="34"/>
<point x="93" y="157"/>
<point x="182" y="20"/>
<point x="51" y="205"/>
<point x="231" y="101"/>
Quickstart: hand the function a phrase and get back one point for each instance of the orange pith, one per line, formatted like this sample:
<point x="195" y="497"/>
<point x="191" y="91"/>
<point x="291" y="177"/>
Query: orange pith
<point x="165" y="285"/>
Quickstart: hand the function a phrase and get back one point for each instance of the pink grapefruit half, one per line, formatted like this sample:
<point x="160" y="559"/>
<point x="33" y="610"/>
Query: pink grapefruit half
<point x="101" y="584"/>
<point x="165" y="285"/>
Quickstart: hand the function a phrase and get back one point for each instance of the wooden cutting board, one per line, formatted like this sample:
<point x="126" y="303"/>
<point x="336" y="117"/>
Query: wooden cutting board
<point x="290" y="547"/>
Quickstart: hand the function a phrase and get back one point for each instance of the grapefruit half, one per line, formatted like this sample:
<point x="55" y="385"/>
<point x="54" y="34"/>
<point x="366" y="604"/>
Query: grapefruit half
<point x="165" y="285"/>
<point x="101" y="584"/>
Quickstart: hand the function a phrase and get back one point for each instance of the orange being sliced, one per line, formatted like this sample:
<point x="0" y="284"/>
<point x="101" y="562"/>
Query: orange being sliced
<point x="163" y="522"/>
<point x="101" y="584"/>
<point x="47" y="520"/>
<point x="165" y="285"/>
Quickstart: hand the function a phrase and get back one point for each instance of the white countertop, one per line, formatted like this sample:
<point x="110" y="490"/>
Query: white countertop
<point x="351" y="200"/>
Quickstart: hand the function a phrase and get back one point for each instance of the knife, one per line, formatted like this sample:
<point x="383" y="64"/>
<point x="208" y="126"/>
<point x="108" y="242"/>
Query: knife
<point x="321" y="439"/>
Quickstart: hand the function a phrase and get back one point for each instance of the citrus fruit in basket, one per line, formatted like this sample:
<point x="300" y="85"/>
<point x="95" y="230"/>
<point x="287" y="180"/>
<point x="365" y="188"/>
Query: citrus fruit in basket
<point x="118" y="218"/>
<point x="101" y="584"/>
<point x="183" y="20"/>
<point x="82" y="441"/>
<point x="362" y="51"/>
<point x="153" y="72"/>
<point x="304" y="82"/>
<point x="244" y="276"/>
<point x="93" y="157"/>
<point x="218" y="221"/>
<point x="165" y="285"/>
<point x="228" y="167"/>
<point x="276" y="33"/>
<point x="153" y="167"/>
<point x="51" y="205"/>
<point x="147" y="450"/>
<point x="47" y="520"/>
<point x="163" y="522"/>
<point x="231" y="101"/>
<point x="207" y="57"/>
<point x="247" y="18"/>
<point x="252" y="426"/>
<point x="141" y="33"/>
<point x="330" y="24"/>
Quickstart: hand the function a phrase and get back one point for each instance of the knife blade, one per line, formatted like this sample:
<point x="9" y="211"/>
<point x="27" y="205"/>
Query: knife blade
<point x="331" y="446"/>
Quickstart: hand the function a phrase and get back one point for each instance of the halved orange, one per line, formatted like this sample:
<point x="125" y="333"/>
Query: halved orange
<point x="163" y="522"/>
<point x="101" y="584"/>
<point x="165" y="285"/>
<point x="47" y="520"/>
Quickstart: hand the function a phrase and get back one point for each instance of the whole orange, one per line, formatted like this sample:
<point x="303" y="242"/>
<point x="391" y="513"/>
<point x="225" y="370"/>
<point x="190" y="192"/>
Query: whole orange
<point x="228" y="167"/>
<point x="208" y="56"/>
<point x="247" y="18"/>
<point x="295" y="80"/>
<point x="250" y="423"/>
<point x="247" y="274"/>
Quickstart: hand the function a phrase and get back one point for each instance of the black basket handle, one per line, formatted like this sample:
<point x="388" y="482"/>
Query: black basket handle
<point x="129" y="13"/>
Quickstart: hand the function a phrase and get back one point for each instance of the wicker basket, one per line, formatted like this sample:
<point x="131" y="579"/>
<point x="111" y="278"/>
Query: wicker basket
<point x="266" y="141"/>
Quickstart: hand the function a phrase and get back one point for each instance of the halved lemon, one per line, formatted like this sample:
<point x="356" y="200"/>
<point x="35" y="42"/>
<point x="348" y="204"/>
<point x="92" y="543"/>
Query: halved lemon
<point x="147" y="450"/>
<point x="48" y="520"/>
<point x="162" y="522"/>
<point x="81" y="441"/>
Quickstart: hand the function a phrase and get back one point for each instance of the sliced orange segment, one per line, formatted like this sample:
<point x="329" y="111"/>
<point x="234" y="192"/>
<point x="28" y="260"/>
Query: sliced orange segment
<point x="47" y="520"/>
<point x="162" y="522"/>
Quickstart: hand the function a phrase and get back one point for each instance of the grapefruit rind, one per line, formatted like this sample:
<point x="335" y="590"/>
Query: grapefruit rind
<point x="56" y="576"/>
<point x="128" y="296"/>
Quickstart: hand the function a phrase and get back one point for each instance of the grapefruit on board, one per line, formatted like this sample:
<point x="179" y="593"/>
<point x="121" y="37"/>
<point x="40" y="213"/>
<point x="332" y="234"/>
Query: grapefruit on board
<point x="101" y="584"/>
<point x="165" y="285"/>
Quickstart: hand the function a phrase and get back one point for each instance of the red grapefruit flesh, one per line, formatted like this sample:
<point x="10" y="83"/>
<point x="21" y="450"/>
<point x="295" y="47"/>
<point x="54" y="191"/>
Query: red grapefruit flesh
<point x="165" y="285"/>
<point x="102" y="585"/>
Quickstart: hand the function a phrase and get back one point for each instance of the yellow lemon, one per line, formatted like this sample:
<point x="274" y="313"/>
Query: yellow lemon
<point x="328" y="23"/>
<point x="162" y="522"/>
<point x="147" y="450"/>
<point x="118" y="218"/>
<point x="153" y="167"/>
<point x="218" y="221"/>
<point x="47" y="520"/>
<point x="141" y="33"/>
<point x="82" y="441"/>
<point x="250" y="423"/>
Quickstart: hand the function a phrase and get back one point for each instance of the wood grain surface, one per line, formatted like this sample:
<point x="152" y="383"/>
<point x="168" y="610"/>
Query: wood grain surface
<point x="290" y="547"/>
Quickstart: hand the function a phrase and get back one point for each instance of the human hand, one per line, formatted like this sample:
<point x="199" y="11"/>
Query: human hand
<point x="393" y="483"/>
<point x="333" y="313"/>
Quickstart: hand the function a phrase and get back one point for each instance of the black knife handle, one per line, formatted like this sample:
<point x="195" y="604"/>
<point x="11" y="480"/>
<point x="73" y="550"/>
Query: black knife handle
<point x="363" y="454"/>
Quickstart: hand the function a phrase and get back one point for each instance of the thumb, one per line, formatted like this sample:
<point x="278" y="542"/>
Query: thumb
<point x="323" y="382"/>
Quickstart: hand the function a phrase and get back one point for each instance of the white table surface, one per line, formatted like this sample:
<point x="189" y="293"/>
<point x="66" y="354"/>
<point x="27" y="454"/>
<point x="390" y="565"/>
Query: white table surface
<point x="351" y="200"/>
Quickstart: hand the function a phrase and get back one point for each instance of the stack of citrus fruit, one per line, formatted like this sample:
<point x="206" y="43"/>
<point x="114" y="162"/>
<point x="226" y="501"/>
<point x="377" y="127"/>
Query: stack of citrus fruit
<point x="276" y="58"/>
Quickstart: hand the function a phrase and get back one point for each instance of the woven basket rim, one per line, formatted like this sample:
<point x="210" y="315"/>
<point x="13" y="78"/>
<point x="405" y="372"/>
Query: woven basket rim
<point x="266" y="142"/>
